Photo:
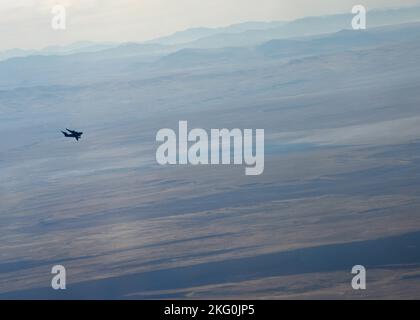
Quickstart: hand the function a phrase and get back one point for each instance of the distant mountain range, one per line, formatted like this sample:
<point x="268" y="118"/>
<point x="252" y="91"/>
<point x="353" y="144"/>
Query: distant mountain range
<point x="76" y="47"/>
<point x="340" y="41"/>
<point x="194" y="34"/>
<point x="133" y="60"/>
<point x="237" y="35"/>
<point x="306" y="27"/>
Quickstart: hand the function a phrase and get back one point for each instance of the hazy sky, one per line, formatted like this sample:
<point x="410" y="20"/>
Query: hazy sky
<point x="27" y="23"/>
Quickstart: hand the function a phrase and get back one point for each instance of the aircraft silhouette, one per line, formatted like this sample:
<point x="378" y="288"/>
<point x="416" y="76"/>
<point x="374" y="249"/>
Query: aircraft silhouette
<point x="72" y="134"/>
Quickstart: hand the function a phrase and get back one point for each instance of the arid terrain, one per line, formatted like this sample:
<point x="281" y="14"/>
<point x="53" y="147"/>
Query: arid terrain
<point x="341" y="185"/>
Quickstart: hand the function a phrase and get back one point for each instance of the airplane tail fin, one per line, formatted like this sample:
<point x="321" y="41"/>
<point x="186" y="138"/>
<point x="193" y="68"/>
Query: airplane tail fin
<point x="65" y="134"/>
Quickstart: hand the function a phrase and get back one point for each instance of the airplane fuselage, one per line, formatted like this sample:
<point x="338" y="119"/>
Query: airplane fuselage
<point x="72" y="134"/>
